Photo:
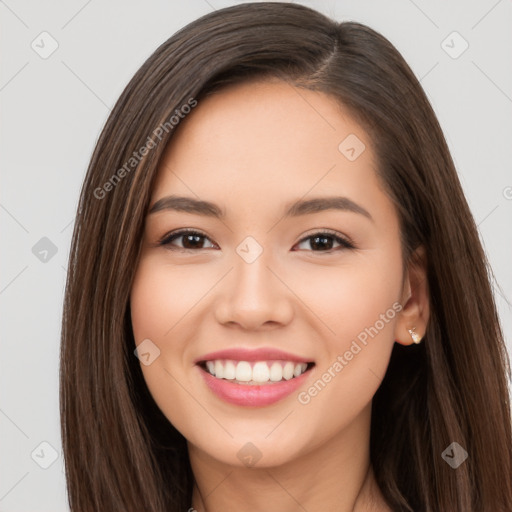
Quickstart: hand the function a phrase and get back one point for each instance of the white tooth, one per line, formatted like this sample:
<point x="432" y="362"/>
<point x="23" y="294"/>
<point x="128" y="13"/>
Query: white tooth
<point x="243" y="371"/>
<point x="276" y="372"/>
<point x="229" y="370"/>
<point x="219" y="370"/>
<point x="210" y="366"/>
<point x="288" y="370"/>
<point x="260" y="372"/>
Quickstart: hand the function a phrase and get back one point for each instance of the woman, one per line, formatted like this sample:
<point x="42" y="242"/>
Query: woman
<point x="277" y="296"/>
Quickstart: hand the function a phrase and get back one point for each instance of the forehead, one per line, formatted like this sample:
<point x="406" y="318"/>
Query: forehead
<point x="267" y="141"/>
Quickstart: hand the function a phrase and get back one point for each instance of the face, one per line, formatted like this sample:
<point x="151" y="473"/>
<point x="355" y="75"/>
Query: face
<point x="280" y="282"/>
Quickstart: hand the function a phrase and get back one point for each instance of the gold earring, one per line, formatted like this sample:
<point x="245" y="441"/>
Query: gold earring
<point x="414" y="335"/>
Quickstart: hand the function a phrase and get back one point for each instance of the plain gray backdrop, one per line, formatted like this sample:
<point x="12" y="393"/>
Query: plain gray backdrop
<point x="65" y="63"/>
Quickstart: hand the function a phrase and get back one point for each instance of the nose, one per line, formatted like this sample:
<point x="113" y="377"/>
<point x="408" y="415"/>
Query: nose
<point x="254" y="296"/>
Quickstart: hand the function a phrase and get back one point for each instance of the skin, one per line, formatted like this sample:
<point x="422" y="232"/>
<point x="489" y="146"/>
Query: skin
<point x="252" y="149"/>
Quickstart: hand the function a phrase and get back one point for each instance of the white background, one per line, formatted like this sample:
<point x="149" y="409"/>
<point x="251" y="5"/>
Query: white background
<point x="53" y="110"/>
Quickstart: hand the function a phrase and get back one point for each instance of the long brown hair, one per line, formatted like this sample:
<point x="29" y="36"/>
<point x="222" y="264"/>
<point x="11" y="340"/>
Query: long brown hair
<point x="121" y="453"/>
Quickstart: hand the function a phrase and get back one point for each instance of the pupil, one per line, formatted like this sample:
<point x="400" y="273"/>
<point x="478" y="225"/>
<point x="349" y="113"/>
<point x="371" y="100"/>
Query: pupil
<point x="316" y="244"/>
<point x="187" y="238"/>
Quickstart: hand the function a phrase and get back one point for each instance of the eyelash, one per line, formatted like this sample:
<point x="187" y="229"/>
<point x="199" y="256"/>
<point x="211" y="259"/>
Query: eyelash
<point x="173" y="235"/>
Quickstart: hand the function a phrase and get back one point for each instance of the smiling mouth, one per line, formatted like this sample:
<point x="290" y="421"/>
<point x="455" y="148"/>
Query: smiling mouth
<point x="255" y="373"/>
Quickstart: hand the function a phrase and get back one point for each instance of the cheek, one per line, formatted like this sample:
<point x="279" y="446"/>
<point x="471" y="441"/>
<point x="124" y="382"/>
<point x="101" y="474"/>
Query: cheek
<point x="348" y="298"/>
<point x="158" y="302"/>
<point x="146" y="305"/>
<point x="157" y="306"/>
<point x="161" y="296"/>
<point x="357" y="305"/>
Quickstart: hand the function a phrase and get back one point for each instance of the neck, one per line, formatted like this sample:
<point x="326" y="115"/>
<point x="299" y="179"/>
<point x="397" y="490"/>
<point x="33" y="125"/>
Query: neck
<point x="336" y="476"/>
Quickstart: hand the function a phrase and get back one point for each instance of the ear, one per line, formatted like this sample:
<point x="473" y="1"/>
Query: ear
<point x="415" y="299"/>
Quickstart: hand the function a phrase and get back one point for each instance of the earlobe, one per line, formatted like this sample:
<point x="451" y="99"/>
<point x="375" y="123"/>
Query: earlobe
<point x="413" y="319"/>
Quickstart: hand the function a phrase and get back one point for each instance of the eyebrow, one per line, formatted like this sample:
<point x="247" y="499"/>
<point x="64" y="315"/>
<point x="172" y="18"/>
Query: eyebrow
<point x="297" y="208"/>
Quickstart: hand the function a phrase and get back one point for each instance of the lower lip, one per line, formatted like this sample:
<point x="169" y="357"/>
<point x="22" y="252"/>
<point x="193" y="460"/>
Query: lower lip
<point x="252" y="395"/>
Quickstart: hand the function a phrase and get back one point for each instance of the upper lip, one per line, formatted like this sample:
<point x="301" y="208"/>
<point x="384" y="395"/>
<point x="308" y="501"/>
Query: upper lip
<point x="245" y="354"/>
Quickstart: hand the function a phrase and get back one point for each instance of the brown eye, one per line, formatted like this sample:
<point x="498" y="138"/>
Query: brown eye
<point x="190" y="240"/>
<point x="324" y="241"/>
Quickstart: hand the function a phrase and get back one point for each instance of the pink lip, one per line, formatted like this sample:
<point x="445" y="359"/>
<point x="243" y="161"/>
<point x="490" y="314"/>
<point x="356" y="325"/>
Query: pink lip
<point x="248" y="395"/>
<point x="260" y="354"/>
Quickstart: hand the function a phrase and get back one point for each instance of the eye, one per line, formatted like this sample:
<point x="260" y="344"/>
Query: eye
<point x="322" y="241"/>
<point x="190" y="240"/>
